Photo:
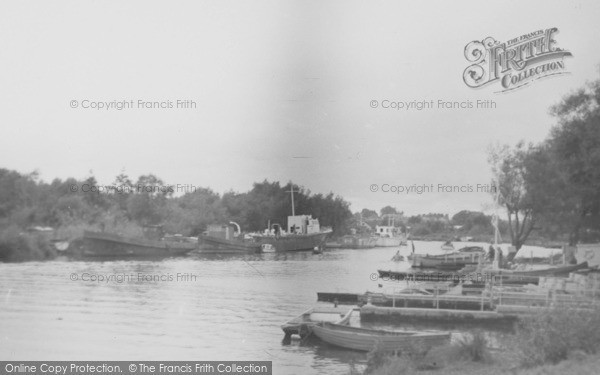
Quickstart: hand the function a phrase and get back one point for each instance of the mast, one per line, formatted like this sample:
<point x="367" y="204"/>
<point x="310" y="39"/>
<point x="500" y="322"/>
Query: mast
<point x="495" y="221"/>
<point x="291" y="191"/>
<point x="495" y="217"/>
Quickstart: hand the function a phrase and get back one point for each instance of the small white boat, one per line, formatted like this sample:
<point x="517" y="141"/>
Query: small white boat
<point x="365" y="339"/>
<point x="300" y="325"/>
<point x="267" y="248"/>
<point x="448" y="246"/>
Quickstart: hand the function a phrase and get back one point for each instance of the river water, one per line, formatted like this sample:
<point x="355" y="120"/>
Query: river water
<point x="193" y="308"/>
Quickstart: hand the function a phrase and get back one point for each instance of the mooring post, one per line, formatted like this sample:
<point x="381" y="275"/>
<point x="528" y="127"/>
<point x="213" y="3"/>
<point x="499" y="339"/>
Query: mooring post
<point x="483" y="296"/>
<point x="492" y="294"/>
<point x="501" y="290"/>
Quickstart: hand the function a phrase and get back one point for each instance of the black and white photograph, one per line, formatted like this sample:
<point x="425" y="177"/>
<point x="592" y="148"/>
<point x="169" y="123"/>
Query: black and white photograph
<point x="299" y="187"/>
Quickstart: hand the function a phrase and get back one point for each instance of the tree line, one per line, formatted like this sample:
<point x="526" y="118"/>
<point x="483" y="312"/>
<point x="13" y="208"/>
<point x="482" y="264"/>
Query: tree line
<point x="26" y="201"/>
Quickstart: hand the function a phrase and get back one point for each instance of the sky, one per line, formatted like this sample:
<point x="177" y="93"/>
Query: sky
<point x="284" y="91"/>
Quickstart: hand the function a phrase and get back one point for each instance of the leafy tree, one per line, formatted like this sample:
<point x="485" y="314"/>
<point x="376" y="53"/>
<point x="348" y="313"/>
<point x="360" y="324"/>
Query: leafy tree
<point x="388" y="210"/>
<point x="191" y="213"/>
<point x="509" y="168"/>
<point x="469" y="219"/>
<point x="574" y="146"/>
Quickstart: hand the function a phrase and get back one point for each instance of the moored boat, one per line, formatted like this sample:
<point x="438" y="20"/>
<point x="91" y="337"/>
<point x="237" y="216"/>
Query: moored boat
<point x="388" y="236"/>
<point x="101" y="244"/>
<point x="294" y="241"/>
<point x="447" y="246"/>
<point x="222" y="239"/>
<point x="471" y="249"/>
<point x="551" y="271"/>
<point x="431" y="276"/>
<point x="447" y="263"/>
<point x="299" y="325"/>
<point x="222" y="245"/>
<point x="356" y="241"/>
<point x="365" y="339"/>
<point x="303" y="233"/>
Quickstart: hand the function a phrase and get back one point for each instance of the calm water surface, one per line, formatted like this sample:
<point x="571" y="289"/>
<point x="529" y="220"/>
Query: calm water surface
<point x="232" y="310"/>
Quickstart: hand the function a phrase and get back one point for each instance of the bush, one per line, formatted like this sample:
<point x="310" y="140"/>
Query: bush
<point x="474" y="348"/>
<point x="418" y="358"/>
<point x="16" y="245"/>
<point x="383" y="363"/>
<point x="556" y="334"/>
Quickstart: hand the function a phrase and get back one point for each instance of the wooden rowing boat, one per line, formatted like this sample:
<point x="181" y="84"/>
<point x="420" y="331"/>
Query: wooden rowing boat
<point x="451" y="263"/>
<point x="365" y="339"/>
<point x="300" y="324"/>
<point x="552" y="271"/>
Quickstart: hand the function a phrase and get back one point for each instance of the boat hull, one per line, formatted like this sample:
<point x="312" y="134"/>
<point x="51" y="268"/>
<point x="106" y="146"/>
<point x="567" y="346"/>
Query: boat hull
<point x="222" y="245"/>
<point x="294" y="242"/>
<point x="98" y="244"/>
<point x="363" y="339"/>
<point x="441" y="263"/>
<point x="553" y="271"/>
<point x="388" y="242"/>
<point x="357" y="242"/>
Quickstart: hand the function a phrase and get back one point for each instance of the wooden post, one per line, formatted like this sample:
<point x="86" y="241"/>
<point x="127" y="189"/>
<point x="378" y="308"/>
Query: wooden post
<point x="491" y="293"/>
<point x="500" y="298"/>
<point x="531" y="258"/>
<point x="482" y="297"/>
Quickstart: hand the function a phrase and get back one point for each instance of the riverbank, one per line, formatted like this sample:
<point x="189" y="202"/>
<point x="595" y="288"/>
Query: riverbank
<point x="581" y="365"/>
<point x="554" y="341"/>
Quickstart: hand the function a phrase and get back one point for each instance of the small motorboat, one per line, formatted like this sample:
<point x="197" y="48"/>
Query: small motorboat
<point x="267" y="248"/>
<point x="300" y="325"/>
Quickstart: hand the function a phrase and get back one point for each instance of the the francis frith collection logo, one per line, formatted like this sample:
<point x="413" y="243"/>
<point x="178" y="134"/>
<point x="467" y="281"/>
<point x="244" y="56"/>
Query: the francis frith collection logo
<point x="515" y="63"/>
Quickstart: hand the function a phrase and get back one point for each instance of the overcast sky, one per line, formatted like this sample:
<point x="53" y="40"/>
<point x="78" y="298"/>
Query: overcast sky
<point x="283" y="92"/>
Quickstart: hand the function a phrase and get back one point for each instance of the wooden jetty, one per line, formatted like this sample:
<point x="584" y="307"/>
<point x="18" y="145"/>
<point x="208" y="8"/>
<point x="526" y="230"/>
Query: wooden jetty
<point x="476" y="278"/>
<point x="431" y="301"/>
<point x="375" y="313"/>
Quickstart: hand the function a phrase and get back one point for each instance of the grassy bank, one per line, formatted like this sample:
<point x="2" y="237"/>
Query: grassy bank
<point x="581" y="365"/>
<point x="556" y="341"/>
